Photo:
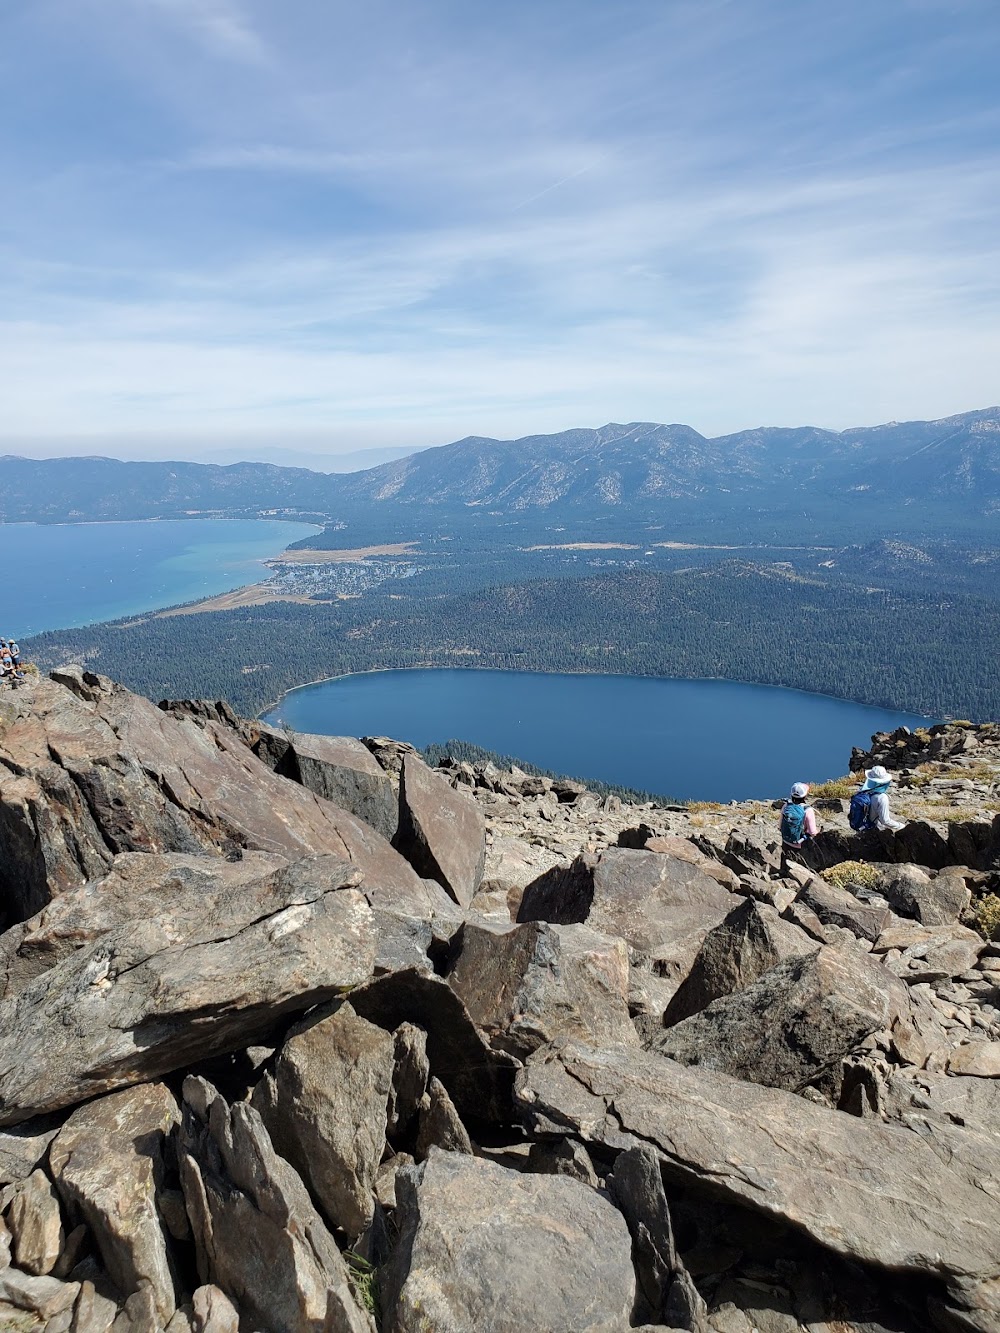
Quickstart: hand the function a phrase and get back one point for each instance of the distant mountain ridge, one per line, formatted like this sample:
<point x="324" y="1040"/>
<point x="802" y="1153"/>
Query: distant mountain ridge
<point x="643" y="463"/>
<point x="953" y="462"/>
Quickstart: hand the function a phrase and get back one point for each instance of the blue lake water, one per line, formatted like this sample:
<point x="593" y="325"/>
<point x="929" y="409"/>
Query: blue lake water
<point x="63" y="575"/>
<point x="704" y="740"/>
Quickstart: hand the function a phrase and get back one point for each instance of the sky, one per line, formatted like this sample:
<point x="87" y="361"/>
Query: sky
<point x="244" y="228"/>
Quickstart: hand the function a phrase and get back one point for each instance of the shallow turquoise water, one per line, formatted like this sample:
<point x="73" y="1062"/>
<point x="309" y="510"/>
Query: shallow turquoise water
<point x="62" y="575"/>
<point x="704" y="740"/>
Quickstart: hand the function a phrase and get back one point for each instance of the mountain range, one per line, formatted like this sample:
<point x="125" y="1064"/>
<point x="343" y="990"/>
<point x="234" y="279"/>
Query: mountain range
<point x="952" y="463"/>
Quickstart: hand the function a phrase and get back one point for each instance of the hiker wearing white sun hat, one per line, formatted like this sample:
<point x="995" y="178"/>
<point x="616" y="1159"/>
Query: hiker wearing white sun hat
<point x="876" y="785"/>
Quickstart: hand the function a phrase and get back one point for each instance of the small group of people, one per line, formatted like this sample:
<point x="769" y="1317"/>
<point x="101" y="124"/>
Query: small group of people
<point x="869" y="809"/>
<point x="11" y="672"/>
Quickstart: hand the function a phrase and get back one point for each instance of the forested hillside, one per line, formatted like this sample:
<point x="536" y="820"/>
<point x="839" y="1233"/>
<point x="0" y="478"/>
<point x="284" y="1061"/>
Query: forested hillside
<point x="739" y="621"/>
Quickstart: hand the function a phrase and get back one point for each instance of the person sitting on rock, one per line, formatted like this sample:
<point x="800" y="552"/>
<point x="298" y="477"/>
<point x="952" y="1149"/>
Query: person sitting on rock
<point x="877" y="782"/>
<point x="798" y="820"/>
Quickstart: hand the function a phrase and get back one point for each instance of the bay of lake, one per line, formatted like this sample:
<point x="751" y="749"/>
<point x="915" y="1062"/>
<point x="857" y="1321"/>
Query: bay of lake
<point x="68" y="574"/>
<point x="701" y="740"/>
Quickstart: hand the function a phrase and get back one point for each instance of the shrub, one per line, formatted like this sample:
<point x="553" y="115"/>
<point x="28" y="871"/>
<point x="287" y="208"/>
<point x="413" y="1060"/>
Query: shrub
<point x="988" y="916"/>
<point x="857" y="873"/>
<point x="838" y="788"/>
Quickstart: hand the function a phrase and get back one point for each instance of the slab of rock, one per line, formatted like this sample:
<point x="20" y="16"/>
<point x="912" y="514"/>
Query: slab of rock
<point x="560" y="1259"/>
<point x="257" y="1234"/>
<point x="110" y="1162"/>
<point x="478" y="1078"/>
<point x="35" y="1223"/>
<point x="751" y="939"/>
<point x="980" y="1059"/>
<point x="934" y="902"/>
<point x="859" y="1187"/>
<point x="442" y="831"/>
<point x="668" y="1294"/>
<point x="22" y="1149"/>
<point x="324" y="1105"/>
<point x="156" y="994"/>
<point x="794" y="1023"/>
<point x="539" y="981"/>
<point x="684" y="850"/>
<point x="659" y="905"/>
<point x="837" y="907"/>
<point x="342" y="770"/>
<point x="932" y="953"/>
<point x="43" y="1296"/>
<point x="91" y="770"/>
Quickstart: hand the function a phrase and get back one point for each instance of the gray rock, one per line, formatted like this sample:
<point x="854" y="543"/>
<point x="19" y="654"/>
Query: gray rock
<point x="43" y="1296"/>
<point x="750" y="940"/>
<point x="324" y="1105"/>
<point x="110" y="1161"/>
<point x="202" y="979"/>
<point x="858" y="1187"/>
<point x="94" y="1312"/>
<point x="35" y="1223"/>
<point x="561" y="1260"/>
<point x="410" y="1074"/>
<point x="343" y="771"/>
<point x="258" y="1236"/>
<point x="478" y="1079"/>
<point x="539" y="981"/>
<point x="441" y="831"/>
<point x="837" y="907"/>
<point x="668" y="1295"/>
<point x="213" y="1312"/>
<point x="565" y="1157"/>
<point x="794" y="1023"/>
<point x="934" y="902"/>
<point x="659" y="905"/>
<point x="439" y="1125"/>
<point x="23" y="1148"/>
<point x="92" y="770"/>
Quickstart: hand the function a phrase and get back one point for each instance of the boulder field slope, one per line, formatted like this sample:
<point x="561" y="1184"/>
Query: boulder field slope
<point x="298" y="1035"/>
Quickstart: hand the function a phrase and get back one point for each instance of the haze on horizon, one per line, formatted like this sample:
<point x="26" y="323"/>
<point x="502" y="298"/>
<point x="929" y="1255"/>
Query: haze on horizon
<point x="232" y="227"/>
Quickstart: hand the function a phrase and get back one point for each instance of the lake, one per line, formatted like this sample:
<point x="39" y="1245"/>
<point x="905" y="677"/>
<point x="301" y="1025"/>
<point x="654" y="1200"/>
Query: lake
<point x="703" y="740"/>
<point x="68" y="574"/>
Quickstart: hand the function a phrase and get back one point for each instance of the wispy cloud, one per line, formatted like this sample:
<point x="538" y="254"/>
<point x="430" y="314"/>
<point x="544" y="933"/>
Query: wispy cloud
<point x="435" y="221"/>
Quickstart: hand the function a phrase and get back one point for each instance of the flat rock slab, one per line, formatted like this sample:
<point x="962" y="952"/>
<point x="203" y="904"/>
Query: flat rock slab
<point x="980" y="1059"/>
<point x="94" y="769"/>
<point x="540" y="981"/>
<point x="156" y="994"/>
<point x="794" y="1023"/>
<point x="110" y="1163"/>
<point x="497" y="1251"/>
<point x="659" y="905"/>
<point x="442" y="832"/>
<point x="875" y="1193"/>
<point x="258" y="1236"/>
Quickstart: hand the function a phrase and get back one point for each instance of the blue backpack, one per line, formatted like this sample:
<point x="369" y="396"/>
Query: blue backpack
<point x="860" y="815"/>
<point x="793" y="819"/>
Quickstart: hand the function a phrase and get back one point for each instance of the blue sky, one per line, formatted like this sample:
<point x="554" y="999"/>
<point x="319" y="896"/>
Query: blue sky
<point x="243" y="224"/>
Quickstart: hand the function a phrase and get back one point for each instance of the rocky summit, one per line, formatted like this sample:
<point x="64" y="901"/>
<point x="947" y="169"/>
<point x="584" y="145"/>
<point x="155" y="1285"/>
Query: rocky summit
<point x="298" y="1035"/>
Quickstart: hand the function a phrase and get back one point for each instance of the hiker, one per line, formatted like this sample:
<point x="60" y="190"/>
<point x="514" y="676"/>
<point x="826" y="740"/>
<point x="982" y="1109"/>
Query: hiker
<point x="798" y="820"/>
<point x="15" y="653"/>
<point x="870" y="803"/>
